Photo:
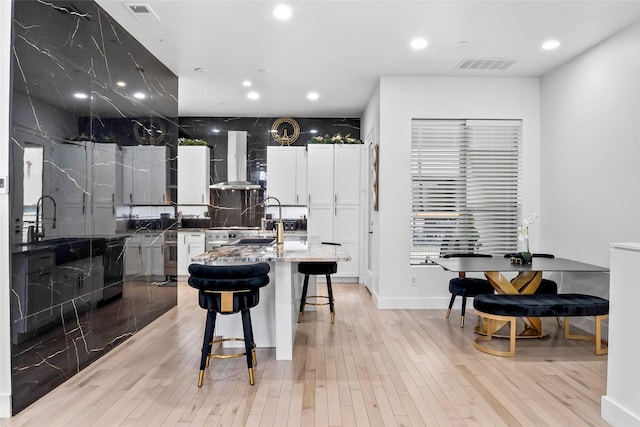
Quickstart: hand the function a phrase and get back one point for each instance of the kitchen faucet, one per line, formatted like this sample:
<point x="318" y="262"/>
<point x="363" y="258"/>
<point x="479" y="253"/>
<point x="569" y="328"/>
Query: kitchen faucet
<point x="37" y="234"/>
<point x="280" y="227"/>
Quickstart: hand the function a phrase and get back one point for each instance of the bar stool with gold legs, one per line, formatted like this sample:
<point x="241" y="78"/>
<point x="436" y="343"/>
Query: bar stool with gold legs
<point x="228" y="289"/>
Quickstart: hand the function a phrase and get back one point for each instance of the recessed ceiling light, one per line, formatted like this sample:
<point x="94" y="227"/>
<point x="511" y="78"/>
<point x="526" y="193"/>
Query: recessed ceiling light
<point x="246" y="83"/>
<point x="121" y="84"/>
<point x="282" y="12"/>
<point x="200" y="70"/>
<point x="80" y="95"/>
<point x="253" y="95"/>
<point x="165" y="41"/>
<point x="313" y="131"/>
<point x="139" y="95"/>
<point x="312" y="96"/>
<point x="550" y="44"/>
<point x="215" y="130"/>
<point x="419" y="43"/>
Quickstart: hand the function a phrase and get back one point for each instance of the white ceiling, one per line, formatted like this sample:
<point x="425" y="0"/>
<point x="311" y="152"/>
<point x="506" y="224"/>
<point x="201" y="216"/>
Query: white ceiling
<point x="340" y="48"/>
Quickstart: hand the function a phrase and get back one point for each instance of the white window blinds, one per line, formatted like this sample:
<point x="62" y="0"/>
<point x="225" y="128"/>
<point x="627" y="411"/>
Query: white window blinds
<point x="465" y="186"/>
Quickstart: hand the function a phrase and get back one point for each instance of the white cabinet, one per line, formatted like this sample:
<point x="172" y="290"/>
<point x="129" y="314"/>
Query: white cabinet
<point x="287" y="174"/>
<point x="152" y="254"/>
<point x="334" y="200"/>
<point x="133" y="256"/>
<point x="91" y="184"/>
<point x="190" y="244"/>
<point x="144" y="175"/>
<point x="193" y="175"/>
<point x="143" y="254"/>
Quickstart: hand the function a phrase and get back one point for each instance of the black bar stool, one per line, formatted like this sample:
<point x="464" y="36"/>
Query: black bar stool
<point x="228" y="289"/>
<point x="318" y="268"/>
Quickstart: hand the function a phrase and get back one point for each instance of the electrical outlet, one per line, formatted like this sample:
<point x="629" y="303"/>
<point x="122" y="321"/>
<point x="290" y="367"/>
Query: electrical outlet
<point x="413" y="281"/>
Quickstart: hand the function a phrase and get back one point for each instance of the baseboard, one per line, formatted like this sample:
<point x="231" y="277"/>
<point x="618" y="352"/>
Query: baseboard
<point x="5" y="406"/>
<point x="616" y="415"/>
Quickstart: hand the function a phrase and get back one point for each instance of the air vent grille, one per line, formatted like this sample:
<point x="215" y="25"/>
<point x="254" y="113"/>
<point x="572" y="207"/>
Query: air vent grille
<point x="142" y="12"/>
<point x="485" y="64"/>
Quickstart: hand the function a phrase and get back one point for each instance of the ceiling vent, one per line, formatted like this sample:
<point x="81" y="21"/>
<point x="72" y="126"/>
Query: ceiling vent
<point x="485" y="64"/>
<point x="142" y="12"/>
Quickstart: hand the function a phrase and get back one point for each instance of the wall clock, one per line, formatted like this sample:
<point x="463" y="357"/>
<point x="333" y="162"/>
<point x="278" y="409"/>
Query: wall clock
<point x="149" y="131"/>
<point x="285" y="131"/>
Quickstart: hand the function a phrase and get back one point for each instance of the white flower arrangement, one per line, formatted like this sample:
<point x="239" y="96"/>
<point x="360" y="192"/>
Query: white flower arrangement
<point x="523" y="229"/>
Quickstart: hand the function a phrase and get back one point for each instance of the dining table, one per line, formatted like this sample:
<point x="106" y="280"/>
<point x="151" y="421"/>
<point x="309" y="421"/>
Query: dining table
<point x="525" y="281"/>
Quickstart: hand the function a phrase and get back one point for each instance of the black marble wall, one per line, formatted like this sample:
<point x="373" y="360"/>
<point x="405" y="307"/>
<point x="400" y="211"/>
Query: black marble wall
<point x="214" y="130"/>
<point x="83" y="86"/>
<point x="243" y="208"/>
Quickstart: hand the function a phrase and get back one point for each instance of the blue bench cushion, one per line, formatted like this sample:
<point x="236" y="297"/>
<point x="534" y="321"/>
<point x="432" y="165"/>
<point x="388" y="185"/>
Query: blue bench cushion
<point x="541" y="305"/>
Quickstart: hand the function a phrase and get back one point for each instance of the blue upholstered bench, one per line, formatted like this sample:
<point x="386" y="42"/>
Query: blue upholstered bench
<point x="506" y="308"/>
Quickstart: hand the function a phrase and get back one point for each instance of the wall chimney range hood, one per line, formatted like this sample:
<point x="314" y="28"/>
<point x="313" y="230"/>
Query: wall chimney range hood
<point x="236" y="164"/>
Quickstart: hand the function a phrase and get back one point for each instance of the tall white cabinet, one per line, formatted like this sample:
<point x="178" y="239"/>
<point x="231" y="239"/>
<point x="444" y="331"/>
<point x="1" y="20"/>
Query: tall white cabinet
<point x="333" y="179"/>
<point x="194" y="165"/>
<point x="287" y="174"/>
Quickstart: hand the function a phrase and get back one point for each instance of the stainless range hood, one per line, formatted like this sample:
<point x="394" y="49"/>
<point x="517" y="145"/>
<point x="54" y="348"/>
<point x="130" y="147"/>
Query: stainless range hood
<point x="236" y="164"/>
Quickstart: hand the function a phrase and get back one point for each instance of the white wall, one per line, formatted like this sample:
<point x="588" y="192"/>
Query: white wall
<point x="402" y="99"/>
<point x="369" y="126"/>
<point x="590" y="150"/>
<point x="6" y="22"/>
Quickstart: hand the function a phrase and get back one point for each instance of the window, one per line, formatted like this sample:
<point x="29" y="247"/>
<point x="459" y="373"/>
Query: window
<point x="465" y="187"/>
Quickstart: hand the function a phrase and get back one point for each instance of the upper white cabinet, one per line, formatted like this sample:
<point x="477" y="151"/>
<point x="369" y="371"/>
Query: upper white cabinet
<point x="145" y="175"/>
<point x="193" y="175"/>
<point x="287" y="174"/>
<point x="334" y="200"/>
<point x="92" y="183"/>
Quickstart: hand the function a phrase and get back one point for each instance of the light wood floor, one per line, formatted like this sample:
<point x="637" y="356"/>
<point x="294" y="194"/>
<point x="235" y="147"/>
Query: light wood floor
<point x="372" y="367"/>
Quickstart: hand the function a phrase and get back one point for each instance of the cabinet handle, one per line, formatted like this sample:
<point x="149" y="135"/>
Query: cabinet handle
<point x="202" y="198"/>
<point x="335" y="198"/>
<point x="335" y="211"/>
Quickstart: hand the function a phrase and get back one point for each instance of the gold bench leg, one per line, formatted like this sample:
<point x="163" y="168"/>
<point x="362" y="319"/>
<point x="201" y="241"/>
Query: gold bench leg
<point x="597" y="338"/>
<point x="490" y="319"/>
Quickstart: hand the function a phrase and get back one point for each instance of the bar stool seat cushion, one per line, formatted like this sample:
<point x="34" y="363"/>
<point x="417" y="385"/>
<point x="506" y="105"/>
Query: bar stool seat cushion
<point x="318" y="268"/>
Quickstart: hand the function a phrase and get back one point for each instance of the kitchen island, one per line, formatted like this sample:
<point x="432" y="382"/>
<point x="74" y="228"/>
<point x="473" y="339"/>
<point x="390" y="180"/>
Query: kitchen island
<point x="275" y="318"/>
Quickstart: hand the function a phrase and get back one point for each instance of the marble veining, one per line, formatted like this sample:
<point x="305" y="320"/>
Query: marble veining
<point x="294" y="249"/>
<point x="93" y="190"/>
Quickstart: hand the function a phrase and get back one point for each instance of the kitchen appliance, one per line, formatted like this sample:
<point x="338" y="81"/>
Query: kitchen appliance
<point x="289" y="224"/>
<point x="236" y="164"/>
<point x="113" y="261"/>
<point x="170" y="251"/>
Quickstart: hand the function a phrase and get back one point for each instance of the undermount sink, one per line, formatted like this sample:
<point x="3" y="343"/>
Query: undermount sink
<point x="251" y="241"/>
